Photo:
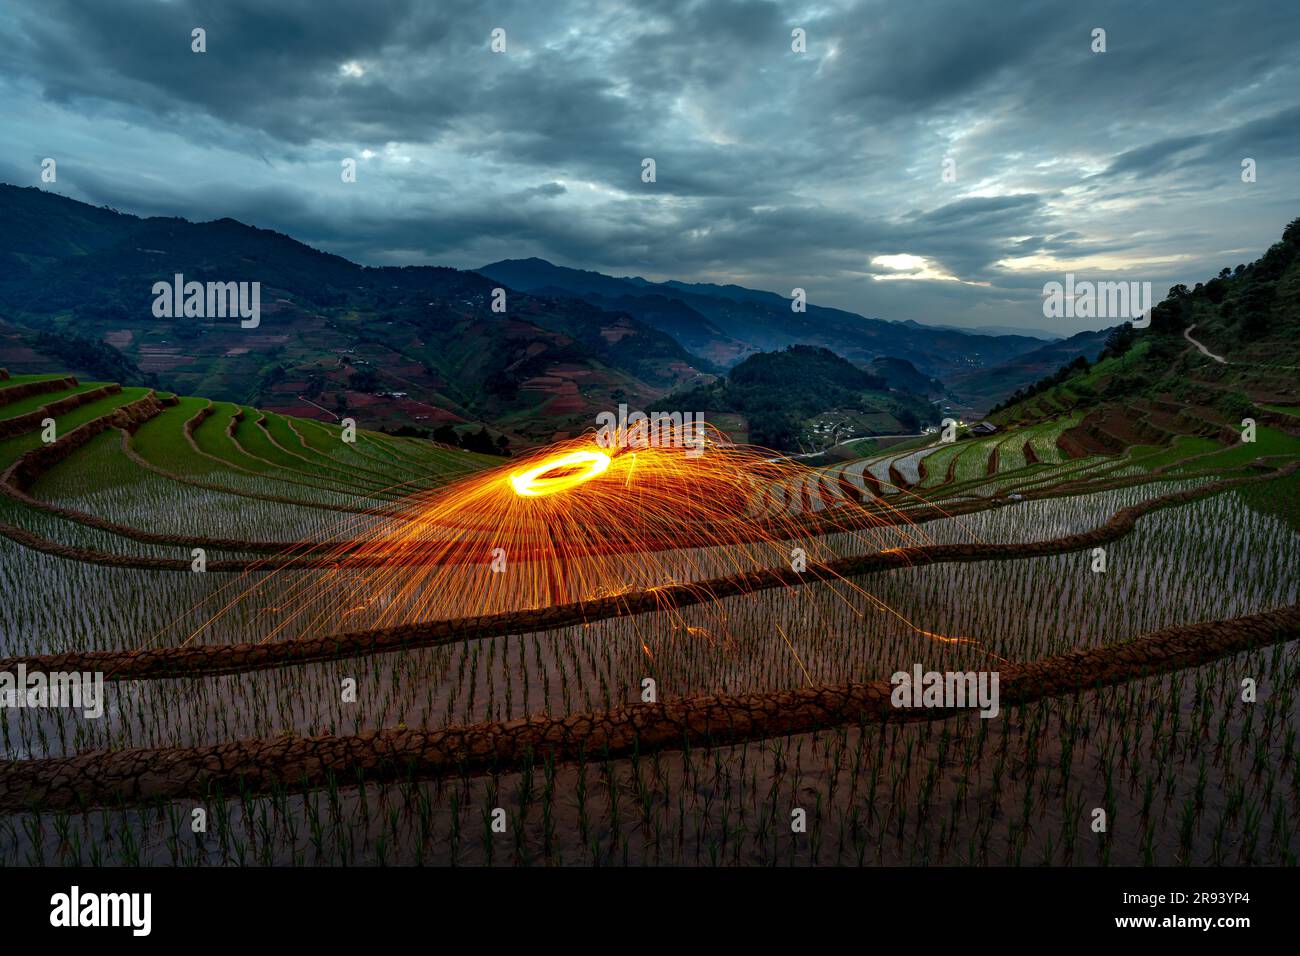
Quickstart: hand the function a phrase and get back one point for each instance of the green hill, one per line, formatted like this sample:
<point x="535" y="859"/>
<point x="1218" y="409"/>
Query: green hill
<point x="806" y="396"/>
<point x="1222" y="351"/>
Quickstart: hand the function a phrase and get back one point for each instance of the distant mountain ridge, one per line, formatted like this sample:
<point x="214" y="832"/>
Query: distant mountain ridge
<point x="725" y="323"/>
<point x="986" y="387"/>
<point x="416" y="346"/>
<point x="395" y="346"/>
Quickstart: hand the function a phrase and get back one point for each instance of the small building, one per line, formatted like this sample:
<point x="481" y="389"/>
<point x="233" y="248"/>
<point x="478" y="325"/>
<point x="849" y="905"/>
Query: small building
<point x="983" y="428"/>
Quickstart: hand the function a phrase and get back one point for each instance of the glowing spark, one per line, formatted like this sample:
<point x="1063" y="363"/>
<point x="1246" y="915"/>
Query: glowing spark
<point x="533" y="483"/>
<point x="661" y="517"/>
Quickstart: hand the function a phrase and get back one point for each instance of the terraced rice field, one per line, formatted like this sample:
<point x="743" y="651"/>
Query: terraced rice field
<point x="979" y="554"/>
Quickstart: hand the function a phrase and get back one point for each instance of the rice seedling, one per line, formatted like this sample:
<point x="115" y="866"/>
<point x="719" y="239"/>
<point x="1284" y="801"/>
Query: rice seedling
<point x="1186" y="771"/>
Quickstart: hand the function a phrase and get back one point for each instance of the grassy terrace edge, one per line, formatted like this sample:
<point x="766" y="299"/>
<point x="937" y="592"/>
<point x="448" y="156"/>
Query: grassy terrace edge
<point x="210" y="659"/>
<point x="262" y="765"/>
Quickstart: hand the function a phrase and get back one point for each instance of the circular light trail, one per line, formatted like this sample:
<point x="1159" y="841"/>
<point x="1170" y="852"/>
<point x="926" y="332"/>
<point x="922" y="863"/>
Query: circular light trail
<point x="535" y="483"/>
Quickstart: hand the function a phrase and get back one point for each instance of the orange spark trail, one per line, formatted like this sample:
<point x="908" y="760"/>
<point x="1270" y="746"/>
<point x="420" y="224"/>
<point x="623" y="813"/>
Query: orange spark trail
<point x="578" y="521"/>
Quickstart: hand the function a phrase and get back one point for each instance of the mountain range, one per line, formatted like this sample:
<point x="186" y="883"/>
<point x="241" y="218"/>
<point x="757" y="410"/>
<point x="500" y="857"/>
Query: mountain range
<point x="726" y="323"/>
<point x="411" y="346"/>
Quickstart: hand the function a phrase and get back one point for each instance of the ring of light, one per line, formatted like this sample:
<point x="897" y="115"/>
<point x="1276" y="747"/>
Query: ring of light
<point x="534" y="483"/>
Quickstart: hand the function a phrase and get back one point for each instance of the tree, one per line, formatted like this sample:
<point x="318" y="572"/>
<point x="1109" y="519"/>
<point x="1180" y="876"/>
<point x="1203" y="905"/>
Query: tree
<point x="479" y="441"/>
<point x="1119" y="341"/>
<point x="1256" y="310"/>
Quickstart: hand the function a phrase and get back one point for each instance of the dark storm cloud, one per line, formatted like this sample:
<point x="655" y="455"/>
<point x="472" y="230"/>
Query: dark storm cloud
<point x="919" y="55"/>
<point x="1276" y="135"/>
<point x="775" y="169"/>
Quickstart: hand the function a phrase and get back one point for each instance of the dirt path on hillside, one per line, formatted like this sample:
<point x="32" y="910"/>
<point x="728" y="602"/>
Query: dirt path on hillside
<point x="1187" y="334"/>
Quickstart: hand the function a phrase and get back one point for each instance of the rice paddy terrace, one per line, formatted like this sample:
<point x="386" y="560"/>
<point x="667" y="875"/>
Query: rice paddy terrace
<point x="292" y="644"/>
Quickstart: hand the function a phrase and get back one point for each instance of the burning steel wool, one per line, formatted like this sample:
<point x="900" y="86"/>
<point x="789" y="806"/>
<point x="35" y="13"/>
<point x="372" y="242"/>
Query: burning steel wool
<point x="578" y="522"/>
<point x="559" y="474"/>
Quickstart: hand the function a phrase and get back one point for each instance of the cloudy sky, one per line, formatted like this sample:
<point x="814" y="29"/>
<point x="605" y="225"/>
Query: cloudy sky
<point x="775" y="169"/>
